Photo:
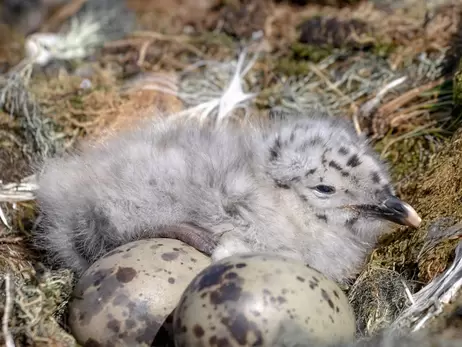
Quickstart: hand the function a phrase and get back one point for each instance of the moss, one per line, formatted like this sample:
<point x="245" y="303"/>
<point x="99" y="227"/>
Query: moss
<point x="209" y="38"/>
<point x="310" y="52"/>
<point x="406" y="156"/>
<point x="457" y="86"/>
<point x="434" y="191"/>
<point x="383" y="48"/>
<point x="291" y="67"/>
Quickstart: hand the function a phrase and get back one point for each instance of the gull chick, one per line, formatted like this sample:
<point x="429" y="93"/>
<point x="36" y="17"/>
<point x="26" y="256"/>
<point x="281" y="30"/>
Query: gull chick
<point x="304" y="186"/>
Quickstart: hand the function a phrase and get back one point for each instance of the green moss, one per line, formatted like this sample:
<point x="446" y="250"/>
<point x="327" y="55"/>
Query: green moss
<point x="407" y="155"/>
<point x="433" y="189"/>
<point x="291" y="67"/>
<point x="212" y="38"/>
<point x="295" y="62"/>
<point x="310" y="52"/>
<point x="457" y="86"/>
<point x="383" y="49"/>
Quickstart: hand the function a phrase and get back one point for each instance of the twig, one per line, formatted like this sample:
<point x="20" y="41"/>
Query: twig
<point x="406" y="97"/>
<point x="65" y="12"/>
<point x="143" y="51"/>
<point x="11" y="240"/>
<point x="367" y="107"/>
<point x="9" y="341"/>
<point x="162" y="37"/>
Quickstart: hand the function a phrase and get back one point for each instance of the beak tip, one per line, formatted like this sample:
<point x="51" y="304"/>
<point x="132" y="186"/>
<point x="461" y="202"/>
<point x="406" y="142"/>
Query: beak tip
<point x="401" y="212"/>
<point x="412" y="219"/>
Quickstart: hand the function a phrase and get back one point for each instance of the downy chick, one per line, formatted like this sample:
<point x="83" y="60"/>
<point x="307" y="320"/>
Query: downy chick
<point x="305" y="187"/>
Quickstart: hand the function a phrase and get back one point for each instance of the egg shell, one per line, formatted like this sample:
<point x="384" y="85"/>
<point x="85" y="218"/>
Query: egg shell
<point x="124" y="298"/>
<point x="250" y="300"/>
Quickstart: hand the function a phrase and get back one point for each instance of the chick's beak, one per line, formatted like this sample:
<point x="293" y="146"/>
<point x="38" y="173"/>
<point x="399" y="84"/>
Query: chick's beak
<point x="395" y="210"/>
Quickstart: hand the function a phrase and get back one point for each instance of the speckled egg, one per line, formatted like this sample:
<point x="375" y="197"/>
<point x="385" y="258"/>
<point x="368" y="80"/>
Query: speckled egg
<point x="124" y="298"/>
<point x="254" y="299"/>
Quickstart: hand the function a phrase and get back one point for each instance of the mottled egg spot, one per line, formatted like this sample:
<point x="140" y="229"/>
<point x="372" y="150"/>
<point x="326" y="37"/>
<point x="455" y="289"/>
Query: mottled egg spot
<point x="227" y="292"/>
<point x="169" y="256"/>
<point x="212" y="276"/>
<point x="301" y="279"/>
<point x="336" y="294"/>
<point x="171" y="280"/>
<point x="222" y="342"/>
<point x="231" y="275"/>
<point x="130" y="323"/>
<point x="198" y="331"/>
<point x="125" y="274"/>
<point x="241" y="329"/>
<point x="313" y="284"/>
<point x="120" y="300"/>
<point x="327" y="298"/>
<point x="92" y="343"/>
<point x="114" y="325"/>
<point x="241" y="265"/>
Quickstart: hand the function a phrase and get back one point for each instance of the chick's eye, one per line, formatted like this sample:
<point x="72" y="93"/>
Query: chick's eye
<point x="325" y="189"/>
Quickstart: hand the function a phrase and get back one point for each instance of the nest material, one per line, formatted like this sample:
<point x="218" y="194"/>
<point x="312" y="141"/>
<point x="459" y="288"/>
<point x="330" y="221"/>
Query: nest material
<point x="435" y="193"/>
<point x="86" y="100"/>
<point x="378" y="296"/>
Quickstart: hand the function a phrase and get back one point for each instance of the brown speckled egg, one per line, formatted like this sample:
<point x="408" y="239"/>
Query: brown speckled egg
<point x="253" y="299"/>
<point x="124" y="298"/>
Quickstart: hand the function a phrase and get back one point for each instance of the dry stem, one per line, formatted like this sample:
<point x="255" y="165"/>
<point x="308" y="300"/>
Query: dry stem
<point x="9" y="302"/>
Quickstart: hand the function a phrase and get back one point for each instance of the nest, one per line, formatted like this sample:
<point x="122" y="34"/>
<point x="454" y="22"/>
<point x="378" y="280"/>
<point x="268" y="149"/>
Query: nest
<point x="388" y="68"/>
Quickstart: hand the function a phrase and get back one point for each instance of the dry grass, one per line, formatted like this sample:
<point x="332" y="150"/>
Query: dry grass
<point x="409" y="123"/>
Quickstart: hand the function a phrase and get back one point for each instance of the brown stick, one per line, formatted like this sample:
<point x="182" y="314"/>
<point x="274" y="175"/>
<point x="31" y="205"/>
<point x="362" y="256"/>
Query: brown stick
<point x="60" y="16"/>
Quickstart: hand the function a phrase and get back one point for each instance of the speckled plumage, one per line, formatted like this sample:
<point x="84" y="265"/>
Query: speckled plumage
<point x="266" y="187"/>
